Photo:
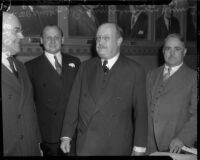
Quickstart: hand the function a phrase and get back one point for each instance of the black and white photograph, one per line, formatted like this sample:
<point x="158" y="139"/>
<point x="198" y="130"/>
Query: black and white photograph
<point x="97" y="79"/>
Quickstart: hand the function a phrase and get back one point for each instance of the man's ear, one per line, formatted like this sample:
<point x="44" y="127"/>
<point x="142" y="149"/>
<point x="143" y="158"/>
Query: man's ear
<point x="119" y="41"/>
<point x="63" y="39"/>
<point x="41" y="40"/>
<point x="185" y="51"/>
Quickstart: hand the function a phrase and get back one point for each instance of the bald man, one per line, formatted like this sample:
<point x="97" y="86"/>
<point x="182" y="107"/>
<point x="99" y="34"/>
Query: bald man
<point x="107" y="101"/>
<point x="20" y="128"/>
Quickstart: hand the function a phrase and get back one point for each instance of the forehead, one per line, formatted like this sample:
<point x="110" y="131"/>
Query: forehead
<point x="106" y="30"/>
<point x="51" y="31"/>
<point x="10" y="22"/>
<point x="173" y="41"/>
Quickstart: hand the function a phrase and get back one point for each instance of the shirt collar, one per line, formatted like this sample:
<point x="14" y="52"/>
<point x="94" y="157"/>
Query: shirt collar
<point x="51" y="57"/>
<point x="173" y="69"/>
<point x="111" y="61"/>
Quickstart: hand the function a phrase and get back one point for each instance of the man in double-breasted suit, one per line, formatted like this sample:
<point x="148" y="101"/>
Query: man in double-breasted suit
<point x="21" y="135"/>
<point x="172" y="101"/>
<point x="108" y="98"/>
<point x="52" y="75"/>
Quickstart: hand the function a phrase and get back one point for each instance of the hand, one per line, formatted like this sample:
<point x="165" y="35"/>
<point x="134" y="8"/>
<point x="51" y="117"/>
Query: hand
<point x="176" y="145"/>
<point x="65" y="145"/>
<point x="134" y="153"/>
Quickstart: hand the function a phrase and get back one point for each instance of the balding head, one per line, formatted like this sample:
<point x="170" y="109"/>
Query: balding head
<point x="11" y="34"/>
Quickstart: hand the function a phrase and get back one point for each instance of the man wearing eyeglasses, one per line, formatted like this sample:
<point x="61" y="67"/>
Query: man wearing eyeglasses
<point x="108" y="98"/>
<point x="172" y="101"/>
<point x="20" y="128"/>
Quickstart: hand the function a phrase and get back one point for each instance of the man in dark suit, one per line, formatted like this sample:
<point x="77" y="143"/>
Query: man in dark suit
<point x="52" y="75"/>
<point x="172" y="101"/>
<point x="134" y="22"/>
<point x="166" y="24"/>
<point x="82" y="20"/>
<point x="21" y="135"/>
<point x="108" y="98"/>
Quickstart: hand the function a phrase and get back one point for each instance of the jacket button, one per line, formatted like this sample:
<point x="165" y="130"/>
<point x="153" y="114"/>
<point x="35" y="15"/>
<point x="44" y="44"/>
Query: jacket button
<point x="55" y="113"/>
<point x="21" y="137"/>
<point x="19" y="116"/>
<point x="10" y="96"/>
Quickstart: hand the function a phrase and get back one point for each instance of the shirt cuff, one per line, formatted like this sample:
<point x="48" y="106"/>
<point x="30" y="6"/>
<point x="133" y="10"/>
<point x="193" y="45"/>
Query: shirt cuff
<point x="139" y="149"/>
<point x="65" y="138"/>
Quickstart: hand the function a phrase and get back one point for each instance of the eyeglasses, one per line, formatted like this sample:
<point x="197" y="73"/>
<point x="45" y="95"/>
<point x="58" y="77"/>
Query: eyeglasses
<point x="105" y="38"/>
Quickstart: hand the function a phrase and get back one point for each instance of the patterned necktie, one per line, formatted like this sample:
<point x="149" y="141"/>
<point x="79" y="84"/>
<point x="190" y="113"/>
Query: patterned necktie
<point x="166" y="74"/>
<point x="11" y="62"/>
<point x="105" y="68"/>
<point x="58" y="66"/>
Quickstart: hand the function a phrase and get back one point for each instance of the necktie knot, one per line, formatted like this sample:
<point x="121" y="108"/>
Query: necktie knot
<point x="12" y="67"/>
<point x="105" y="68"/>
<point x="58" y="66"/>
<point x="167" y="73"/>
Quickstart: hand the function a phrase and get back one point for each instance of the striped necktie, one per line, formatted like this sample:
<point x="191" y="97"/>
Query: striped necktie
<point x="58" y="66"/>
<point x="166" y="74"/>
<point x="11" y="62"/>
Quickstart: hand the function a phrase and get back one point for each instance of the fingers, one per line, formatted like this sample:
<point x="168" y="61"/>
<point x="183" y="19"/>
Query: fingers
<point x="175" y="149"/>
<point x="65" y="146"/>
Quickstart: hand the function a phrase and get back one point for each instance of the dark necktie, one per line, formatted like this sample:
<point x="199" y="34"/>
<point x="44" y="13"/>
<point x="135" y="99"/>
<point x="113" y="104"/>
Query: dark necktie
<point x="11" y="62"/>
<point x="58" y="66"/>
<point x="105" y="68"/>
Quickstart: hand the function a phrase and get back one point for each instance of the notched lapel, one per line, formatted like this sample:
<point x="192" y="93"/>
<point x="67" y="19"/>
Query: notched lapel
<point x="92" y="76"/>
<point x="9" y="78"/>
<point x="115" y="75"/>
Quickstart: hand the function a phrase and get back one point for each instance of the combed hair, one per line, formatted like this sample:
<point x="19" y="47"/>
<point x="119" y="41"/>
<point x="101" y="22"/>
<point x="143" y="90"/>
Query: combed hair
<point x="52" y="25"/>
<point x="175" y="35"/>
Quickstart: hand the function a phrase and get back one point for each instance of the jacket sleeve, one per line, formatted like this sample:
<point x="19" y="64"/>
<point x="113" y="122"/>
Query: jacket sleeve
<point x="140" y="109"/>
<point x="188" y="134"/>
<point x="71" y="112"/>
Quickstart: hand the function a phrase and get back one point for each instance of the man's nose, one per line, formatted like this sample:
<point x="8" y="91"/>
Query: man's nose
<point x="21" y="36"/>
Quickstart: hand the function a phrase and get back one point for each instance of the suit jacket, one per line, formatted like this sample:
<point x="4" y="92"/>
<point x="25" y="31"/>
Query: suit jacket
<point x="172" y="108"/>
<point x="161" y="28"/>
<point x="139" y="29"/>
<point x="20" y="127"/>
<point x="79" y="22"/>
<point x="51" y="93"/>
<point x="103" y="113"/>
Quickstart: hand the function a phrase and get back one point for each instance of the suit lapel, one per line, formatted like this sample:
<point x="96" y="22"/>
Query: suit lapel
<point x="111" y="88"/>
<point x="50" y="68"/>
<point x="157" y="80"/>
<point x="93" y="75"/>
<point x="9" y="78"/>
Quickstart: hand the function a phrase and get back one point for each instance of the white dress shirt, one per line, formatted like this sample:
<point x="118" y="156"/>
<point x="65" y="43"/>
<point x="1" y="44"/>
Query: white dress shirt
<point x="173" y="69"/>
<point x="51" y="59"/>
<point x="5" y="62"/>
<point x="111" y="61"/>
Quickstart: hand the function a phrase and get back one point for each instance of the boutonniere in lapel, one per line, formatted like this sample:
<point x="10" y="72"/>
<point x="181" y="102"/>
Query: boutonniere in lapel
<point x="72" y="65"/>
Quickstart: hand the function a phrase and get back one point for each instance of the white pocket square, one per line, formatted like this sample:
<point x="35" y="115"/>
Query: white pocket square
<point x="72" y="65"/>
